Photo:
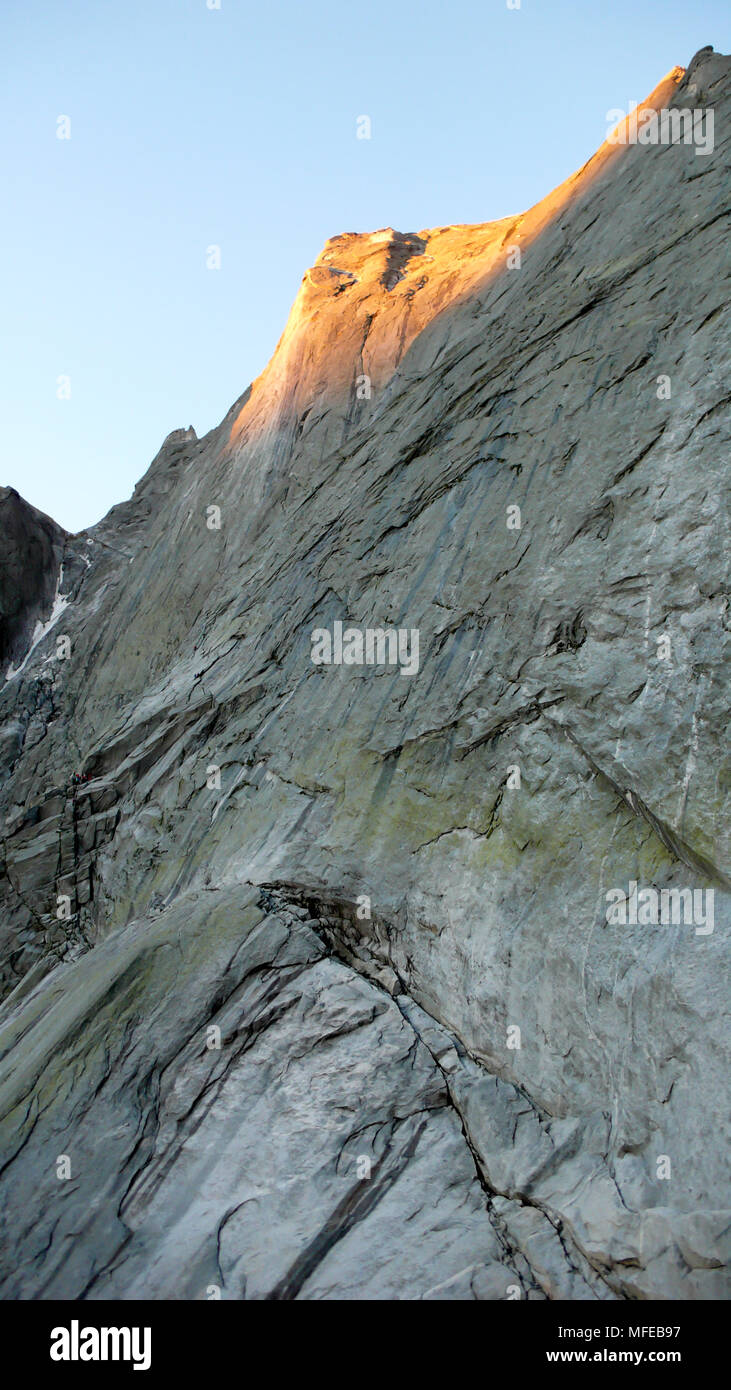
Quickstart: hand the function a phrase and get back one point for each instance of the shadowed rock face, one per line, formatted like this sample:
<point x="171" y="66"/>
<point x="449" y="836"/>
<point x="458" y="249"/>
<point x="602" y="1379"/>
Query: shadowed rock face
<point x="311" y="986"/>
<point x="30" y="561"/>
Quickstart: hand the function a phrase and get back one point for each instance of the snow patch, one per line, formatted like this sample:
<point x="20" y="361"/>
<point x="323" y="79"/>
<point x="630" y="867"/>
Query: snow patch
<point x="60" y="601"/>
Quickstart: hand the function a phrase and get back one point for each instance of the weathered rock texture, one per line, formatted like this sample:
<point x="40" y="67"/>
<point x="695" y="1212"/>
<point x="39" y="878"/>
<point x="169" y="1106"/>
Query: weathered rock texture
<point x="366" y="1128"/>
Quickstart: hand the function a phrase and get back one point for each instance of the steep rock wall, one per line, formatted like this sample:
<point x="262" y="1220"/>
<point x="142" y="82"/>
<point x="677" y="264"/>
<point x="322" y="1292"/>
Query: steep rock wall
<point x="242" y="802"/>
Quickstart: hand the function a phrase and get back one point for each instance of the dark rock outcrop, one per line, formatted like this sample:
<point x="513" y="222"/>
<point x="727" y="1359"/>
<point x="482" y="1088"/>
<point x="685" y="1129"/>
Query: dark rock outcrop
<point x="30" y="569"/>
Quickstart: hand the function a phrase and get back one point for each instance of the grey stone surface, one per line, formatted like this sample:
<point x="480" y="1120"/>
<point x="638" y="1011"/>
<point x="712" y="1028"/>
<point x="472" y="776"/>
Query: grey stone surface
<point x="385" y="1043"/>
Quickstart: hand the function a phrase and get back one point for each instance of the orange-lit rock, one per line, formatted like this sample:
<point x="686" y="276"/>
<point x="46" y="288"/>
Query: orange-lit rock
<point x="370" y="294"/>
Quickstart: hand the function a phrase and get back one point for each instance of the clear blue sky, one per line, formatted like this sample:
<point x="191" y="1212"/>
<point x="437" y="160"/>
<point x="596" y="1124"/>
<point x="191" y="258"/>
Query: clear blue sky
<point x="237" y="127"/>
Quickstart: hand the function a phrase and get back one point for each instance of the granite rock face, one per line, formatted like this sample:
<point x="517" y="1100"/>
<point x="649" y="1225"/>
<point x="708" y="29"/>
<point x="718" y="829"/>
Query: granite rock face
<point x="310" y="988"/>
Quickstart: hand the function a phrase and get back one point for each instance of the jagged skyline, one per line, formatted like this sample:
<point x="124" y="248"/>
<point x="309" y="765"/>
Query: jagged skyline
<point x="237" y="128"/>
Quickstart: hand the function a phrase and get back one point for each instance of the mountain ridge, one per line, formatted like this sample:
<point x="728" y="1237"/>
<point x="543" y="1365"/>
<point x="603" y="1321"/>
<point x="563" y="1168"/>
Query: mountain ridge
<point x="337" y="868"/>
